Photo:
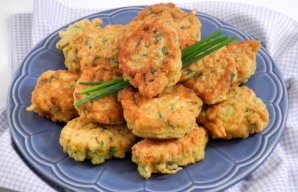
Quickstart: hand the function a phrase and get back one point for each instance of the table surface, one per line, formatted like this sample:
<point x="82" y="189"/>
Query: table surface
<point x="9" y="7"/>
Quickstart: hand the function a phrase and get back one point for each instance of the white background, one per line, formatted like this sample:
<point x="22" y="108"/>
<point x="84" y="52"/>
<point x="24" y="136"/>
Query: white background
<point x="9" y="7"/>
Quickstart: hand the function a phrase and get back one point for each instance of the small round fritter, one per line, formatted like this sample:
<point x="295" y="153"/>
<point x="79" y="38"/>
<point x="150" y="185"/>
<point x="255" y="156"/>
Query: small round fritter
<point x="186" y="24"/>
<point x="211" y="77"/>
<point x="244" y="54"/>
<point x="106" y="110"/>
<point x="82" y="140"/>
<point x="52" y="96"/>
<point x="69" y="38"/>
<point x="150" y="57"/>
<point x="243" y="113"/>
<point x="99" y="45"/>
<point x="166" y="156"/>
<point x="171" y="115"/>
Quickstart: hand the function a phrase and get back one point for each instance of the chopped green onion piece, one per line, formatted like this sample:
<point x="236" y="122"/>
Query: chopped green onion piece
<point x="186" y="50"/>
<point x="102" y="85"/>
<point x="204" y="47"/>
<point x="207" y="52"/>
<point x="91" y="83"/>
<point x="104" y="92"/>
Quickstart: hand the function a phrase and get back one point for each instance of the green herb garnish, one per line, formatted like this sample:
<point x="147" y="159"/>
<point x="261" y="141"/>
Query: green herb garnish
<point x="190" y="55"/>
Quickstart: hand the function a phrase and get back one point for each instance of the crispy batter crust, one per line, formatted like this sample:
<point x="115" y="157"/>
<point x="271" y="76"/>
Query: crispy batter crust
<point x="99" y="45"/>
<point x="243" y="113"/>
<point x="82" y="140"/>
<point x="171" y="115"/>
<point x="244" y="54"/>
<point x="52" y="95"/>
<point x="106" y="110"/>
<point x="186" y="24"/>
<point x="166" y="156"/>
<point x="211" y="77"/>
<point x="69" y="38"/>
<point x="150" y="57"/>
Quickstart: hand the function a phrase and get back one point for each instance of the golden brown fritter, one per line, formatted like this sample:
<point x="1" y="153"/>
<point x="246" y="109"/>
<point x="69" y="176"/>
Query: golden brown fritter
<point x="52" y="96"/>
<point x="82" y="140"/>
<point x="99" y="45"/>
<point x="106" y="110"/>
<point x="186" y="24"/>
<point x="150" y="57"/>
<point x="212" y="76"/>
<point x="68" y="41"/>
<point x="243" y="113"/>
<point x="171" y="115"/>
<point x="166" y="156"/>
<point x="244" y="54"/>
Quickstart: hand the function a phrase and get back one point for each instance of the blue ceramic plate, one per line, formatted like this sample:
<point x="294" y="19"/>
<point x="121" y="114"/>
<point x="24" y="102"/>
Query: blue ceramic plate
<point x="226" y="162"/>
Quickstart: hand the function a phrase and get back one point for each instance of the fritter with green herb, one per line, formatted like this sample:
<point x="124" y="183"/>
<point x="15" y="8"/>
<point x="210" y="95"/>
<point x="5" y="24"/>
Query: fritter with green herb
<point x="106" y="110"/>
<point x="186" y="24"/>
<point x="68" y="41"/>
<point x="242" y="114"/>
<point x="244" y="54"/>
<point x="150" y="57"/>
<point x="211" y="77"/>
<point x="97" y="46"/>
<point x="167" y="156"/>
<point x="170" y="115"/>
<point x="82" y="140"/>
<point x="52" y="96"/>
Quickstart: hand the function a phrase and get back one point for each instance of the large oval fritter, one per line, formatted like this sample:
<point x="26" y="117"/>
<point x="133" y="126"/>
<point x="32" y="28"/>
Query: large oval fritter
<point x="82" y="140"/>
<point x="167" y="156"/>
<point x="170" y="115"/>
<point x="150" y="57"/>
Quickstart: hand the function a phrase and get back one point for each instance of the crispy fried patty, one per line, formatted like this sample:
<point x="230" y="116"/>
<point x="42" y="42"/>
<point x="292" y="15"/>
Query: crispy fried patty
<point x="82" y="140"/>
<point x="150" y="57"/>
<point x="166" y="156"/>
<point x="244" y="54"/>
<point x="52" y="96"/>
<point x="171" y="115"/>
<point x="243" y="113"/>
<point x="186" y="24"/>
<point x="211" y="77"/>
<point x="106" y="110"/>
<point x="99" y="45"/>
<point x="68" y="41"/>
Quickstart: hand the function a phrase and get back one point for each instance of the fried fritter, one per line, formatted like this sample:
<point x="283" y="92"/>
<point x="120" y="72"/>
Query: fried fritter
<point x="166" y="156"/>
<point x="106" y="110"/>
<point x="211" y="77"/>
<point x="52" y="96"/>
<point x="244" y="54"/>
<point x="99" y="45"/>
<point x="186" y="24"/>
<point x="171" y="115"/>
<point x="84" y="140"/>
<point x="68" y="41"/>
<point x="150" y="57"/>
<point x="243" y="113"/>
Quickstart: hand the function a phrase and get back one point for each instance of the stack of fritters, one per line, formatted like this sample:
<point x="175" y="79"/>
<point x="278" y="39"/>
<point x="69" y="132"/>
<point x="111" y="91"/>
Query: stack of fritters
<point x="165" y="102"/>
